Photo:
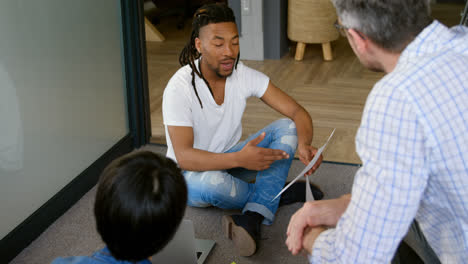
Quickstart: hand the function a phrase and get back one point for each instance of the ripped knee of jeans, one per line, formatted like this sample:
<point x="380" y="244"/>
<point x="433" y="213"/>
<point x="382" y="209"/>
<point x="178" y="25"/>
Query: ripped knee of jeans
<point x="216" y="179"/>
<point x="287" y="134"/>
<point x="290" y="140"/>
<point x="286" y="123"/>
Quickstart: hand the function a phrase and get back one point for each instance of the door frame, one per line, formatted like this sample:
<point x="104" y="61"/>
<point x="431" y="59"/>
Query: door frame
<point x="136" y="71"/>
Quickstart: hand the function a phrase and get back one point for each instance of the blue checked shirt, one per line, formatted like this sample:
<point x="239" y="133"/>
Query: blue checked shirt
<point x="413" y="141"/>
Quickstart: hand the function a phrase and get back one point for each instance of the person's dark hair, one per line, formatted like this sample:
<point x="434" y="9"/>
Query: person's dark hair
<point x="140" y="202"/>
<point x="392" y="24"/>
<point x="205" y="15"/>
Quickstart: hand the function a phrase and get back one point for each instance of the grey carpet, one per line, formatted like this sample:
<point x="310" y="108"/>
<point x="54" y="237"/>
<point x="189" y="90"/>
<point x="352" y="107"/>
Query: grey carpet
<point x="74" y="233"/>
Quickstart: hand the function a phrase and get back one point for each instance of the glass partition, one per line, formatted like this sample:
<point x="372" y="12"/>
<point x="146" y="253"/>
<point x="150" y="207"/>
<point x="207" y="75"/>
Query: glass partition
<point x="62" y="97"/>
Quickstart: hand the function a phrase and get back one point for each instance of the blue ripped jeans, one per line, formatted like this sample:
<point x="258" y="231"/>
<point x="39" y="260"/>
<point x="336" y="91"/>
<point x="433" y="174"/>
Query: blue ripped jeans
<point x="232" y="189"/>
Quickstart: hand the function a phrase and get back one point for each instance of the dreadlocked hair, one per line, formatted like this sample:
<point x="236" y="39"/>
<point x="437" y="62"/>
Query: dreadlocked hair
<point x="207" y="14"/>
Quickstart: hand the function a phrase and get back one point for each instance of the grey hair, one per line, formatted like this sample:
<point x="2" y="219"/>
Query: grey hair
<point x="391" y="24"/>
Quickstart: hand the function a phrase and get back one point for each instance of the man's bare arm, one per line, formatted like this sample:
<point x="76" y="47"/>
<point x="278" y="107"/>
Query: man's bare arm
<point x="284" y="104"/>
<point x="250" y="157"/>
<point x="311" y="215"/>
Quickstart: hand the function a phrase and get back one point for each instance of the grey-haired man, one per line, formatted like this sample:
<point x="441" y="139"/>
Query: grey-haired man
<point x="413" y="142"/>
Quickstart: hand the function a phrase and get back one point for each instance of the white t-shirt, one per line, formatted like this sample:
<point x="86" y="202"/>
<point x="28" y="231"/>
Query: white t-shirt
<point x="216" y="128"/>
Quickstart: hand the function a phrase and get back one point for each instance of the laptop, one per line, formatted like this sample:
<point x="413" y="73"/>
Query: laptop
<point x="184" y="247"/>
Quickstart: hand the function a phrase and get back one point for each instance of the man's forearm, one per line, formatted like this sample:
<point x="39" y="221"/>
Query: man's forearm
<point x="200" y="160"/>
<point x="304" y="127"/>
<point x="310" y="236"/>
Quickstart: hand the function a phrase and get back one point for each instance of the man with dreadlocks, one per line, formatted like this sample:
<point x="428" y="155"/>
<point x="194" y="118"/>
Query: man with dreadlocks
<point x="203" y="105"/>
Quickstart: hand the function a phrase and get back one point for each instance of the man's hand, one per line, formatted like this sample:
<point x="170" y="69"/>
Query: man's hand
<point x="306" y="154"/>
<point x="313" y="214"/>
<point x="310" y="236"/>
<point x="256" y="158"/>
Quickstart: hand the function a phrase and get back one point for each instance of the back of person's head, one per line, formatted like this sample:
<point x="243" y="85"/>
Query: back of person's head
<point x="205" y="15"/>
<point x="140" y="202"/>
<point x="391" y="24"/>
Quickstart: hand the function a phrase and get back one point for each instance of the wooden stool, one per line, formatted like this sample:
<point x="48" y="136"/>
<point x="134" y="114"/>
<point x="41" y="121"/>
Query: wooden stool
<point x="326" y="49"/>
<point x="312" y="22"/>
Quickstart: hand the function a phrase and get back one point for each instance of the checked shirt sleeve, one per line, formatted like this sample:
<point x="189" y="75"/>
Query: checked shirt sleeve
<point x="387" y="189"/>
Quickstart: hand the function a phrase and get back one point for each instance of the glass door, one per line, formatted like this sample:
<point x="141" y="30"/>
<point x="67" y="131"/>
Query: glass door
<point x="71" y="98"/>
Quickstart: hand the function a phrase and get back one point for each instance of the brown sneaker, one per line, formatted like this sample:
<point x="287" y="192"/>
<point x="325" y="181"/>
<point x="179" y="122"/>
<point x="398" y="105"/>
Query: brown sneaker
<point x="243" y="241"/>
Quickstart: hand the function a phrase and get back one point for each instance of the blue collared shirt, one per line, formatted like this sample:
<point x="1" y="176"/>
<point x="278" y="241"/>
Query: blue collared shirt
<point x="99" y="257"/>
<point x="413" y="142"/>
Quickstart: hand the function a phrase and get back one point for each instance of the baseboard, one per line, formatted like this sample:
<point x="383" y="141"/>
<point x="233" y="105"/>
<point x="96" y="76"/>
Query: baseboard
<point x="31" y="228"/>
<point x="343" y="163"/>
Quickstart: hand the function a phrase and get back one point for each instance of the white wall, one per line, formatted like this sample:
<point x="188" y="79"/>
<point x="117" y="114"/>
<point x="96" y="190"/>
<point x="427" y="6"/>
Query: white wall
<point x="62" y="99"/>
<point x="251" y="37"/>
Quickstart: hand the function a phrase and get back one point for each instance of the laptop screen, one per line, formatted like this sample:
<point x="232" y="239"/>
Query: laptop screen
<point x="181" y="249"/>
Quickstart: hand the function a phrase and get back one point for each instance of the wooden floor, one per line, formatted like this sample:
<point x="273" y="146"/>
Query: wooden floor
<point x="334" y="93"/>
